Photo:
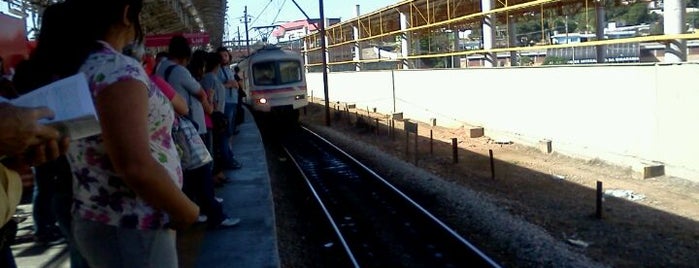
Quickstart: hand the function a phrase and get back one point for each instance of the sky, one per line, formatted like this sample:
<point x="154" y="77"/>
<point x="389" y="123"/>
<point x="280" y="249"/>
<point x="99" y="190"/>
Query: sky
<point x="267" y="12"/>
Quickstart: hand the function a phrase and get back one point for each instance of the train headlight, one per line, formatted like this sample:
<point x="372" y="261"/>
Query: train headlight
<point x="262" y="101"/>
<point x="299" y="97"/>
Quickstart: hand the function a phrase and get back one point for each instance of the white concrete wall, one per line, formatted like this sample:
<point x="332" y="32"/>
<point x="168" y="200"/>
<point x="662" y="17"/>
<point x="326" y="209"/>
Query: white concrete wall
<point x="622" y="114"/>
<point x="373" y="89"/>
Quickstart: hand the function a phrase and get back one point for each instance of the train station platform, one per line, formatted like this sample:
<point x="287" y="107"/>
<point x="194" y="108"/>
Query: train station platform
<point x="251" y="243"/>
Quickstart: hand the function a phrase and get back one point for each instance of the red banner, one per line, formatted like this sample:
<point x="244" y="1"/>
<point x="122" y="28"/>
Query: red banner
<point x="162" y="40"/>
<point x="13" y="41"/>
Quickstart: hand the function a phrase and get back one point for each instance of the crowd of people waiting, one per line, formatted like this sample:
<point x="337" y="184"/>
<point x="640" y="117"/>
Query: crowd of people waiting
<point x="119" y="197"/>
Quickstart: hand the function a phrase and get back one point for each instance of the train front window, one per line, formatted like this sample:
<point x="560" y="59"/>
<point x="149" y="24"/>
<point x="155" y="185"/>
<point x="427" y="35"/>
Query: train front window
<point x="277" y="73"/>
<point x="264" y="73"/>
<point x="290" y="72"/>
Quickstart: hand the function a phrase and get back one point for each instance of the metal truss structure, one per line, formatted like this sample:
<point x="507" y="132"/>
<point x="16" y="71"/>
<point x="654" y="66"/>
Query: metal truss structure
<point x="407" y="30"/>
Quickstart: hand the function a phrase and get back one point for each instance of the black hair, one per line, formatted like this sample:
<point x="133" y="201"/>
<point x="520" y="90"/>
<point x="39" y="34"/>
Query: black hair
<point x="197" y="63"/>
<point x="69" y="34"/>
<point x="179" y="48"/>
<point x="236" y="69"/>
<point x="213" y="60"/>
<point x="161" y="55"/>
<point x="7" y="90"/>
<point x="221" y="49"/>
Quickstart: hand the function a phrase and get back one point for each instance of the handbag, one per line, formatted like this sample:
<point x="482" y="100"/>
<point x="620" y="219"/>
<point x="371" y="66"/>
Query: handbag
<point x="185" y="134"/>
<point x="190" y="146"/>
<point x="10" y="194"/>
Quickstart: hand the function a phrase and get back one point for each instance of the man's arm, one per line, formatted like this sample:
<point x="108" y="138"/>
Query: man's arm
<point x="194" y="88"/>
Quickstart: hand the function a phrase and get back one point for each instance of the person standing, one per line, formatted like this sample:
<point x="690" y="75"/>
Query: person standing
<point x="241" y="94"/>
<point x="126" y="183"/>
<point x="199" y="182"/>
<point x="217" y="94"/>
<point x="225" y="75"/>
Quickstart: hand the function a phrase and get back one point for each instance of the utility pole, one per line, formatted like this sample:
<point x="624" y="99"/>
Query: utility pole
<point x="324" y="51"/>
<point x="247" y="34"/>
<point x="238" y="45"/>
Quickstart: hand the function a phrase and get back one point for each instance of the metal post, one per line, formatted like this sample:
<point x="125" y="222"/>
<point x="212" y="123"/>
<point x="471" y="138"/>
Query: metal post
<point x="431" y="143"/>
<point x="415" y="152"/>
<point x="492" y="165"/>
<point x="455" y="150"/>
<point x="237" y="44"/>
<point x="377" y="127"/>
<point x="407" y="142"/>
<point x="393" y="86"/>
<point x="247" y="31"/>
<point x="324" y="55"/>
<point x="598" y="213"/>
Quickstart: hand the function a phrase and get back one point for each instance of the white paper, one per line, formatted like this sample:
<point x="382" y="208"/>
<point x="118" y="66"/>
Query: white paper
<point x="71" y="102"/>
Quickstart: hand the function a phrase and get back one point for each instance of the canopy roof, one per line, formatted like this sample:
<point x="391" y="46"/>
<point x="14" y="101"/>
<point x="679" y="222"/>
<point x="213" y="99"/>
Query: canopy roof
<point x="175" y="16"/>
<point x="163" y="16"/>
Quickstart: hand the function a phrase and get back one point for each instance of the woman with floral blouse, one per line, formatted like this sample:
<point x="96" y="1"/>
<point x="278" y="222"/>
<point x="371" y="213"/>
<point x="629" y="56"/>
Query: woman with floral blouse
<point x="126" y="181"/>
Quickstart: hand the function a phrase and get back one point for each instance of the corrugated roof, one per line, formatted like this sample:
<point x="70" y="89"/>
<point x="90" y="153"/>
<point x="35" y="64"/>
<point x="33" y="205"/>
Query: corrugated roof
<point x="167" y="16"/>
<point x="173" y="16"/>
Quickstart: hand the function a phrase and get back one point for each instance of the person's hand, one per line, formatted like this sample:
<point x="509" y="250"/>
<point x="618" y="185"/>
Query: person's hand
<point x="208" y="108"/>
<point x="20" y="130"/>
<point x="185" y="218"/>
<point x="47" y="151"/>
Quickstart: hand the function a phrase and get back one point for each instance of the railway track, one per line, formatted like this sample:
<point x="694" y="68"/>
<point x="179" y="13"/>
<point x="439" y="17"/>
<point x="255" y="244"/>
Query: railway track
<point x="376" y="224"/>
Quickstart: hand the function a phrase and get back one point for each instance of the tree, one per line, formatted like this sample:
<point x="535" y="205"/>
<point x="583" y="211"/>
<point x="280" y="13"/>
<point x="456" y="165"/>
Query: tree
<point x="554" y="60"/>
<point x="693" y="19"/>
<point x="637" y="14"/>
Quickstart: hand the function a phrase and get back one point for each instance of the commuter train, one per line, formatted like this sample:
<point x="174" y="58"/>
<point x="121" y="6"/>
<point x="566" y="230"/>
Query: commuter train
<point x="274" y="81"/>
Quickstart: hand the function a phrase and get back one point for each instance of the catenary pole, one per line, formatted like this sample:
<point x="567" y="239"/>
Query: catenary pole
<point x="324" y="55"/>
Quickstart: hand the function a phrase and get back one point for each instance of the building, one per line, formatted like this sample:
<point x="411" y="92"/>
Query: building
<point x="294" y="30"/>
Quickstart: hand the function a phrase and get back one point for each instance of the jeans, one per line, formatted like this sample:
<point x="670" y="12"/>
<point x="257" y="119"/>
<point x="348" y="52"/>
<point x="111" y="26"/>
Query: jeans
<point x="110" y="246"/>
<point x="199" y="187"/>
<point x="62" y="203"/>
<point x="44" y="191"/>
<point x="229" y="111"/>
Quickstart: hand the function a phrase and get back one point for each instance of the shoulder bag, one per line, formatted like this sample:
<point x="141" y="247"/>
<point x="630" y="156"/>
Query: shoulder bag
<point x="190" y="146"/>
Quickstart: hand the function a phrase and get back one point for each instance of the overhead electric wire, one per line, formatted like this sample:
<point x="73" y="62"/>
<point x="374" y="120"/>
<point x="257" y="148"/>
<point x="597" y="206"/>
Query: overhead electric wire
<point x="263" y="10"/>
<point x="278" y="12"/>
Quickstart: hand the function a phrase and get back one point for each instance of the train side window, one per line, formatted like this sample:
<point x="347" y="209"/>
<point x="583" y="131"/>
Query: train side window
<point x="290" y="72"/>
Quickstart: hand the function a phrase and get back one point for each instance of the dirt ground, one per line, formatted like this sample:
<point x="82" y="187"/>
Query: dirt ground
<point x="553" y="191"/>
